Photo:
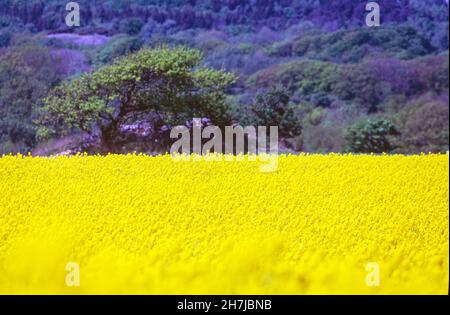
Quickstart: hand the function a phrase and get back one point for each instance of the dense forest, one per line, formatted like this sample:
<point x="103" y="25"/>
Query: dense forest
<point x="311" y="67"/>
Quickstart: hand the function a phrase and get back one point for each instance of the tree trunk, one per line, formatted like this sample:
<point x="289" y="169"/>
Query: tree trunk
<point x="109" y="137"/>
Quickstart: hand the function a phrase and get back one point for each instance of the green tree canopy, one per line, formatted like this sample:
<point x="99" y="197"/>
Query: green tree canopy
<point x="166" y="82"/>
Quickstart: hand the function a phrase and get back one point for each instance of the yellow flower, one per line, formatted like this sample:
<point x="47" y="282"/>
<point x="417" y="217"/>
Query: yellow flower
<point x="151" y="225"/>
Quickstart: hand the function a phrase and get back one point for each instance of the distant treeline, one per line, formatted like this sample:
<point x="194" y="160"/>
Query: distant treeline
<point x="429" y="16"/>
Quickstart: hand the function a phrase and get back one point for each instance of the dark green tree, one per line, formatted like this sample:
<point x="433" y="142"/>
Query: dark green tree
<point x="272" y="108"/>
<point x="371" y="136"/>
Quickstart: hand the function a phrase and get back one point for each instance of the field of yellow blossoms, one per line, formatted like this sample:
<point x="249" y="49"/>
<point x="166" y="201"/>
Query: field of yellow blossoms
<point x="319" y="224"/>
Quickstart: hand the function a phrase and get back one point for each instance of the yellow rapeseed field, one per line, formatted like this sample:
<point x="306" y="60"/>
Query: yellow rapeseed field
<point x="319" y="224"/>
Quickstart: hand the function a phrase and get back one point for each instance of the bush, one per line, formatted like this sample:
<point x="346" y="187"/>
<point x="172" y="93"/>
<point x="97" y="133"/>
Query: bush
<point x="371" y="136"/>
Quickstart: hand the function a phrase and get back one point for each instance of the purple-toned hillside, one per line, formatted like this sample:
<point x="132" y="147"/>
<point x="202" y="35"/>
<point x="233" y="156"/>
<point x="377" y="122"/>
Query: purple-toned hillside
<point x="313" y="68"/>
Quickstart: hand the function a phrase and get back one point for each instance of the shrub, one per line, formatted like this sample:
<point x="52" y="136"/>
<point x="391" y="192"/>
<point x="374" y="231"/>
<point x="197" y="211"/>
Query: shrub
<point x="371" y="136"/>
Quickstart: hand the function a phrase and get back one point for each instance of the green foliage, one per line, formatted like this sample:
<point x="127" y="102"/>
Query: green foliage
<point x="359" y="84"/>
<point x="320" y="53"/>
<point x="352" y="46"/>
<point x="118" y="46"/>
<point x="371" y="136"/>
<point x="304" y="77"/>
<point x="168" y="82"/>
<point x="323" y="138"/>
<point x="27" y="73"/>
<point x="307" y="77"/>
<point x="280" y="49"/>
<point x="272" y="108"/>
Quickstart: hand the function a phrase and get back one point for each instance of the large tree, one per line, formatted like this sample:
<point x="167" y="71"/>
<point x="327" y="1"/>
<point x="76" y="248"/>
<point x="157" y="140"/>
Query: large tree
<point x="168" y="84"/>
